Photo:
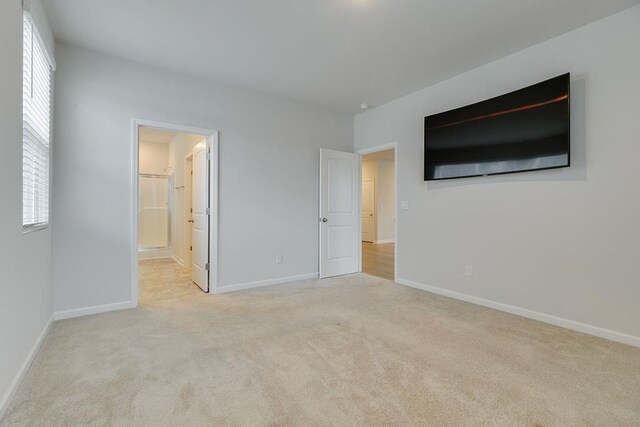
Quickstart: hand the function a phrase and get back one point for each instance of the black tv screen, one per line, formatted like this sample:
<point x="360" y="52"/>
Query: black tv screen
<point x="521" y="131"/>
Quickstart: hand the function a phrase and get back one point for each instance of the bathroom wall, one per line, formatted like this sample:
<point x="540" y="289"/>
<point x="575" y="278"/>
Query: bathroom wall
<point x="153" y="158"/>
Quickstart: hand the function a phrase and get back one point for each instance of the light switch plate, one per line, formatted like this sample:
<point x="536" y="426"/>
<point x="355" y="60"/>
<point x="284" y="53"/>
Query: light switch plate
<point x="404" y="205"/>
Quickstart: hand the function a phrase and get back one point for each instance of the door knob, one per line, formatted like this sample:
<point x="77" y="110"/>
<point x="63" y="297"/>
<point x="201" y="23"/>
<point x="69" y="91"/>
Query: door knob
<point x="370" y="214"/>
<point x="324" y="220"/>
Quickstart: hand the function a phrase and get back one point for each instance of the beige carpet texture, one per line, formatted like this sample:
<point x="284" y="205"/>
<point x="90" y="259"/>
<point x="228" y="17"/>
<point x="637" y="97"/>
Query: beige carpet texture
<point x="350" y="351"/>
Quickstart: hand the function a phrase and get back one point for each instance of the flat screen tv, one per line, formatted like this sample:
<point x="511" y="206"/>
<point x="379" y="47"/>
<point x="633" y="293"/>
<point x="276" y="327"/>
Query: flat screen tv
<point x="521" y="131"/>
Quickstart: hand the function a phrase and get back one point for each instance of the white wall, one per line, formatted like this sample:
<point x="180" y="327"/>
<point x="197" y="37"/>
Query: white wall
<point x="562" y="242"/>
<point x="269" y="149"/>
<point x="25" y="259"/>
<point x="179" y="149"/>
<point x="154" y="158"/>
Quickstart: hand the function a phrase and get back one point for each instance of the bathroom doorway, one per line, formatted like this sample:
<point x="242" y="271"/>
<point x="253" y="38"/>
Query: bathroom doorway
<point x="176" y="211"/>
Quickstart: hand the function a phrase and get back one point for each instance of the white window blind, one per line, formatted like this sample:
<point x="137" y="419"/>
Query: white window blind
<point x="37" y="75"/>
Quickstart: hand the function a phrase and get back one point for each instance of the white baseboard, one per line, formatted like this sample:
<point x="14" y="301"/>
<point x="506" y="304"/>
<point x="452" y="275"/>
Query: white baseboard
<point x="17" y="380"/>
<point x="261" y="283"/>
<point x="530" y="314"/>
<point x="85" y="311"/>
<point x="178" y="260"/>
<point x="385" y="241"/>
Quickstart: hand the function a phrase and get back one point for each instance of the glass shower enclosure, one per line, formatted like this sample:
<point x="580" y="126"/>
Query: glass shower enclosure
<point x="154" y="212"/>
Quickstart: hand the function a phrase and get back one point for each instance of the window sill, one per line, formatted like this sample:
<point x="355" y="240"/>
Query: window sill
<point x="32" y="228"/>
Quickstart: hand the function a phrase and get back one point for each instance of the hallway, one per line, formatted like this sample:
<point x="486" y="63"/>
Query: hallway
<point x="378" y="259"/>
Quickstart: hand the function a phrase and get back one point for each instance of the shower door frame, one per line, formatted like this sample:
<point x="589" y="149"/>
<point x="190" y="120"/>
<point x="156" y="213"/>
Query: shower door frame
<point x="169" y="206"/>
<point x="212" y="141"/>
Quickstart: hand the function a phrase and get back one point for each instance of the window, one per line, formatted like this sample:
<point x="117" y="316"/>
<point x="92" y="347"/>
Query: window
<point x="37" y="74"/>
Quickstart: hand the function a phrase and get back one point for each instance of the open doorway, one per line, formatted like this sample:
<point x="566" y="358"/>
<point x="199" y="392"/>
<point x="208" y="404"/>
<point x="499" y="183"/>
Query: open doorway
<point x="357" y="223"/>
<point x="175" y="223"/>
<point x="378" y="211"/>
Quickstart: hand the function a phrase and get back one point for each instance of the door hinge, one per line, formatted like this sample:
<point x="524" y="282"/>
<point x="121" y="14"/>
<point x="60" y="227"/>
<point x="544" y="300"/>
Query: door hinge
<point x="206" y="266"/>
<point x="209" y="156"/>
<point x="208" y="211"/>
<point x="191" y="248"/>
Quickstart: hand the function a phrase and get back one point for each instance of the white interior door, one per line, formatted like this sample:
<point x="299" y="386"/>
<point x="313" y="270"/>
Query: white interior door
<point x="339" y="213"/>
<point x="200" y="226"/>
<point x="368" y="209"/>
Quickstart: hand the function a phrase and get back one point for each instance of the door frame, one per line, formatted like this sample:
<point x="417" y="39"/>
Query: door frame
<point x="212" y="137"/>
<point x="370" y="150"/>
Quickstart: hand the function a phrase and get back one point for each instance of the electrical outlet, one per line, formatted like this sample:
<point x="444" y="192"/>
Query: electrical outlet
<point x="278" y="258"/>
<point x="468" y="270"/>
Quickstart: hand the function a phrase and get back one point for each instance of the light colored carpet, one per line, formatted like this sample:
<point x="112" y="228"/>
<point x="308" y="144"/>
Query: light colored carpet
<point x="355" y="350"/>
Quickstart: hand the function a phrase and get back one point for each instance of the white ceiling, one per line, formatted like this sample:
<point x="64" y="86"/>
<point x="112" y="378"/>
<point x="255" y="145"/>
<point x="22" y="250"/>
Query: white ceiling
<point x="336" y="53"/>
<point x="155" y="135"/>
